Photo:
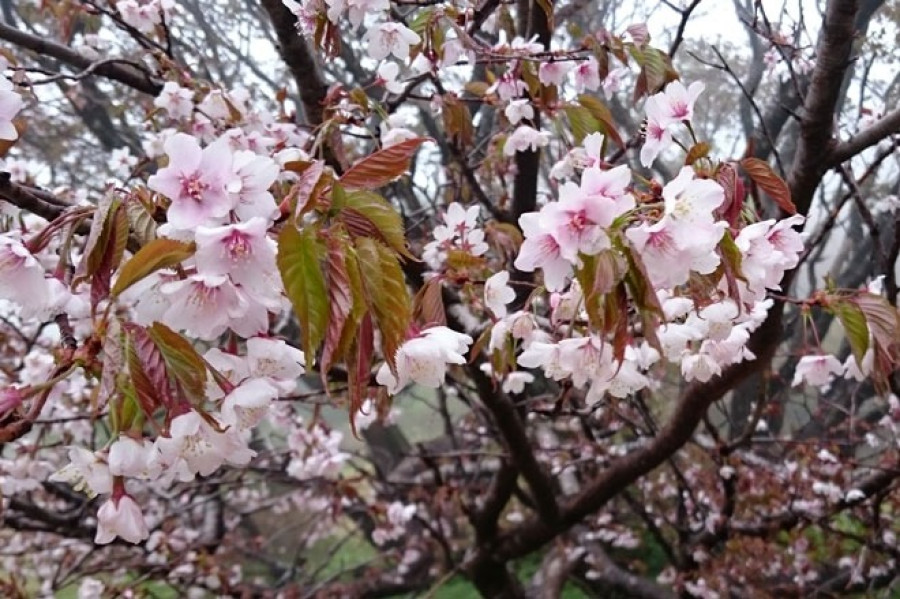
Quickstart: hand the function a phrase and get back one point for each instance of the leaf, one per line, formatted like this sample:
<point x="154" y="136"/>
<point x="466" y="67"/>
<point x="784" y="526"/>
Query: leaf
<point x="112" y="244"/>
<point x="457" y="120"/>
<point x="547" y="7"/>
<point x="386" y="294"/>
<point x="428" y="305"/>
<point x="359" y="368"/>
<point x="113" y="363"/>
<point x="697" y="151"/>
<point x="156" y="255"/>
<point x="367" y="214"/>
<point x="378" y="169"/>
<point x="182" y="360"/>
<point x="340" y="303"/>
<point x="581" y="122"/>
<point x="602" y="114"/>
<point x="299" y="258"/>
<point x="854" y="322"/>
<point x="302" y="197"/>
<point x="97" y="239"/>
<point x="145" y="369"/>
<point x="774" y="186"/>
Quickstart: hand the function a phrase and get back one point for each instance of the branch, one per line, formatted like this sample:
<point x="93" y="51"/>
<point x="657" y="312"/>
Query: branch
<point x="31" y="199"/>
<point x="885" y="127"/>
<point x="634" y="586"/>
<point x="816" y="143"/>
<point x="123" y="73"/>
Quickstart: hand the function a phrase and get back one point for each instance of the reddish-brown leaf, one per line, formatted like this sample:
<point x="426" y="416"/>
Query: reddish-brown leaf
<point x="378" y="169"/>
<point x="359" y="368"/>
<point x="428" y="305"/>
<point x="340" y="303"/>
<point x="774" y="186"/>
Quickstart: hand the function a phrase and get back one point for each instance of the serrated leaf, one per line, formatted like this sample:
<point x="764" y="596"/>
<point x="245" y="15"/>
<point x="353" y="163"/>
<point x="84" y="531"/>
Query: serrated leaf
<point x="477" y="88"/>
<point x="581" y="122"/>
<point x="97" y="239"/>
<point x="140" y="222"/>
<point x="145" y="370"/>
<point x="340" y="304"/>
<point x="156" y="255"/>
<point x="367" y="214"/>
<point x="603" y="116"/>
<point x="359" y="368"/>
<point x="299" y="261"/>
<point x="113" y="363"/>
<point x="380" y="168"/>
<point x="428" y="305"/>
<point x="386" y="294"/>
<point x="182" y="361"/>
<point x="774" y="186"/>
<point x="457" y="120"/>
<point x="302" y="196"/>
<point x="854" y="322"/>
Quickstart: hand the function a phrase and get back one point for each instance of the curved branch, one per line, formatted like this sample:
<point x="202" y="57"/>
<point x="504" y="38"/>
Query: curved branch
<point x="883" y="128"/>
<point x="123" y="73"/>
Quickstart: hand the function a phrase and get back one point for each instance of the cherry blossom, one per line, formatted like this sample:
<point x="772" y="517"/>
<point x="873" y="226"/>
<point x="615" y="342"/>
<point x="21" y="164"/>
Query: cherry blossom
<point x="498" y="293"/>
<point x="177" y="101"/>
<point x="10" y="105"/>
<point x="424" y="359"/>
<point x="390" y="38"/>
<point x="204" y="305"/>
<point x="818" y="371"/>
<point x="524" y="139"/>
<point x="587" y="75"/>
<point x="518" y="110"/>
<point x="201" y="448"/>
<point x="242" y="251"/>
<point x="387" y="76"/>
<point x="542" y="250"/>
<point x="120" y="517"/>
<point x="554" y="72"/>
<point x="195" y="180"/>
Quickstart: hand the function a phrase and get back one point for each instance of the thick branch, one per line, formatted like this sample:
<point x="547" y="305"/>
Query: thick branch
<point x="122" y="72"/>
<point x="816" y="143"/>
<point x="885" y="127"/>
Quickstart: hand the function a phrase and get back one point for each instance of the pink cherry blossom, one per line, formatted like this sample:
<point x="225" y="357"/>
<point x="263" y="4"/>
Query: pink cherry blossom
<point x="525" y="138"/>
<point x="242" y="251"/>
<point x="177" y="101"/>
<point x="817" y="370"/>
<point x="554" y="72"/>
<point x="195" y="180"/>
<point x="120" y="517"/>
<point x="253" y="176"/>
<point x="202" y="448"/>
<point x="132" y="458"/>
<point x="542" y="250"/>
<point x="390" y="38"/>
<point x="587" y="75"/>
<point x="10" y="105"/>
<point x="203" y="305"/>
<point x="21" y="275"/>
<point x="248" y="403"/>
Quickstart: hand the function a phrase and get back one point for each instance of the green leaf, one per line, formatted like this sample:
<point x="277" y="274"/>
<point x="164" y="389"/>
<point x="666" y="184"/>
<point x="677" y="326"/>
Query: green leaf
<point x="774" y="186"/>
<point x="181" y="359"/>
<point x="367" y="214"/>
<point x="156" y="255"/>
<point x="299" y="261"/>
<point x="386" y="294"/>
<point x="581" y="122"/>
<point x="603" y="116"/>
<point x="854" y="322"/>
<point x="382" y="167"/>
